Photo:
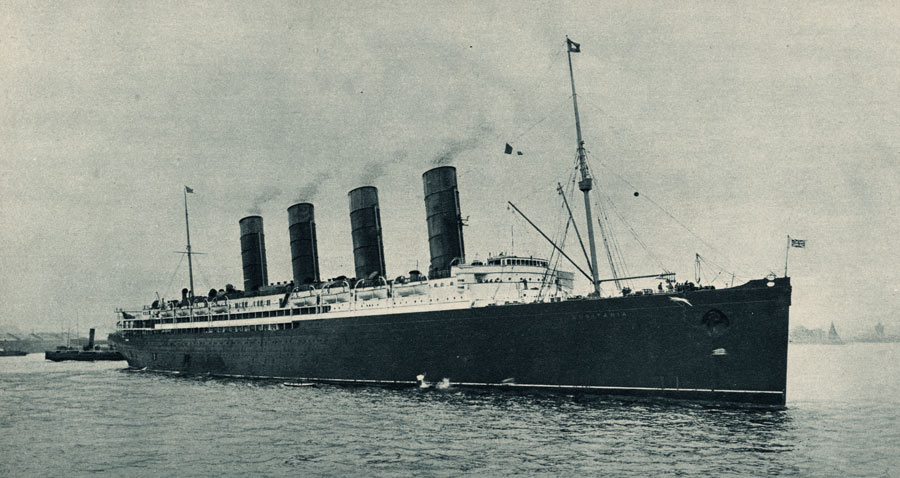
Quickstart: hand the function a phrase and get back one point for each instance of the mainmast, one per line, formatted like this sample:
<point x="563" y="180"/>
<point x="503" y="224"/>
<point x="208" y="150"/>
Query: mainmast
<point x="586" y="183"/>
<point x="188" y="229"/>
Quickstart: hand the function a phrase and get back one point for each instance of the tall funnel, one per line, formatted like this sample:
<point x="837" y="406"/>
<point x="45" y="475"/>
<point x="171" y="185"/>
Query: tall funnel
<point x="304" y="249"/>
<point x="365" y="226"/>
<point x="90" y="344"/>
<point x="445" y="237"/>
<point x="253" y="253"/>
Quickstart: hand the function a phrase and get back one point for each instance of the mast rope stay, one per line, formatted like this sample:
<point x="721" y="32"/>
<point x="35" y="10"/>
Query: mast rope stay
<point x="634" y="234"/>
<point x="554" y="257"/>
<point x="201" y="270"/>
<point x="721" y="269"/>
<point x="172" y="278"/>
<point x="608" y="168"/>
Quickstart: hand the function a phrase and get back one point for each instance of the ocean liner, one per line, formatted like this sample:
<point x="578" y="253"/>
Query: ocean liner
<point x="508" y="322"/>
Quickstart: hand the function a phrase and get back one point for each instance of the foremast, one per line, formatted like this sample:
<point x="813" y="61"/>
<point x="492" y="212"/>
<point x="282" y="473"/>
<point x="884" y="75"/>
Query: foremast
<point x="188" y="250"/>
<point x="586" y="183"/>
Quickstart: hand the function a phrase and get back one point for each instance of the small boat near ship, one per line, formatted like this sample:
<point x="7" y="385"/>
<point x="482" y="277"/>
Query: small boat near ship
<point x="88" y="353"/>
<point x="11" y="353"/>
<point x="64" y="353"/>
<point x="475" y="323"/>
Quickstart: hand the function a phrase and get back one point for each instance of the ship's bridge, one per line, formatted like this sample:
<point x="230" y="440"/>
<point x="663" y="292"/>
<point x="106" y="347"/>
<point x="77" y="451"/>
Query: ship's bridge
<point x="513" y="278"/>
<point x="516" y="261"/>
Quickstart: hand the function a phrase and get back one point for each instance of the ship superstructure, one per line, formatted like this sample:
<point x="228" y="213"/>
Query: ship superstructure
<point x="501" y="280"/>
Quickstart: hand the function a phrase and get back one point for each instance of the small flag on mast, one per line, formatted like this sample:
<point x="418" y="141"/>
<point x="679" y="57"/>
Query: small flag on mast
<point x="801" y="243"/>
<point x="573" y="47"/>
<point x="509" y="150"/>
<point x="188" y="190"/>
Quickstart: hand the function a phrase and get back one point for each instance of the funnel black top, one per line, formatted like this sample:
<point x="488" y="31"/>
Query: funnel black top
<point x="365" y="226"/>
<point x="253" y="253"/>
<point x="445" y="236"/>
<point x="304" y="249"/>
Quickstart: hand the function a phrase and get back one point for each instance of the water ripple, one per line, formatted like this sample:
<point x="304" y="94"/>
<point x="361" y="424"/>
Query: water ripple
<point x="101" y="420"/>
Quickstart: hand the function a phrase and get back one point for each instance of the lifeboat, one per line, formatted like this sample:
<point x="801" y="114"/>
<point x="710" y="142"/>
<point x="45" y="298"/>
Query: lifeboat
<point x="368" y="293"/>
<point x="338" y="291"/>
<point x="406" y="290"/>
<point x="336" y="297"/>
<point x="303" y="299"/>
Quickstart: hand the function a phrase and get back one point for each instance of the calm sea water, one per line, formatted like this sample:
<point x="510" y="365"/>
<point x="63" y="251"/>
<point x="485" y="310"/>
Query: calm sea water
<point x="98" y="419"/>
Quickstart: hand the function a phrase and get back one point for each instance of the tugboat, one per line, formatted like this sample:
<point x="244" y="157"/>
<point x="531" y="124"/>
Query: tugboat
<point x="11" y="353"/>
<point x="88" y="353"/>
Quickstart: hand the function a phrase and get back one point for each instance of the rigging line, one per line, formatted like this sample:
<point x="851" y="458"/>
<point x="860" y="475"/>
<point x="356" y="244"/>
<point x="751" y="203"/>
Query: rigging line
<point x="634" y="234"/>
<point x="498" y="136"/>
<point x="172" y="278"/>
<point x="621" y="178"/>
<point x="704" y="274"/>
<point x="605" y="233"/>
<point x="617" y="253"/>
<point x="552" y="113"/>
<point x="561" y="236"/>
<point x="552" y="266"/>
<point x="618" y="257"/>
<point x="548" y="239"/>
<point x="537" y="188"/>
<point x="712" y="263"/>
<point x="202" y="273"/>
<point x="555" y="56"/>
<point x="720" y="267"/>
<point x="523" y="133"/>
<point x="611" y="120"/>
<point x="562" y="242"/>
<point x="558" y="232"/>
<point x="553" y="254"/>
<point x="666" y="212"/>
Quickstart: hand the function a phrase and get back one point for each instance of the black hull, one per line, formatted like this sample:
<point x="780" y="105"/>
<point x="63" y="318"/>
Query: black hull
<point x="722" y="345"/>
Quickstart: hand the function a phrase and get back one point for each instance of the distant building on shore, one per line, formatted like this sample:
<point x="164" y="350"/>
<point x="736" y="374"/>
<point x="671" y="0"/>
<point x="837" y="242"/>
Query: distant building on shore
<point x="802" y="335"/>
<point x="40" y="341"/>
<point x="879" y="335"/>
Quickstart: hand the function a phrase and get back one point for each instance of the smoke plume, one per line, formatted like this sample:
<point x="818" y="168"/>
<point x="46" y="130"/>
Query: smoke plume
<point x="374" y="170"/>
<point x="310" y="190"/>
<point x="262" y="198"/>
<point x="452" y="148"/>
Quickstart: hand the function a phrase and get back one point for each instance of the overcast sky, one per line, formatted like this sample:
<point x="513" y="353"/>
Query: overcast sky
<point x="737" y="126"/>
